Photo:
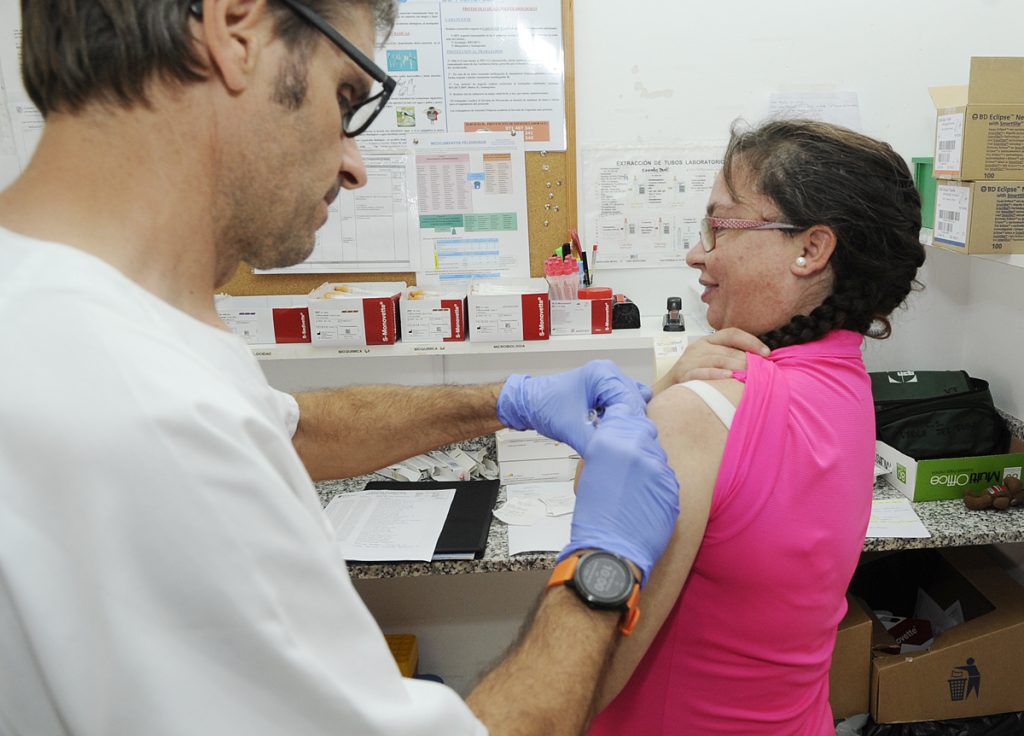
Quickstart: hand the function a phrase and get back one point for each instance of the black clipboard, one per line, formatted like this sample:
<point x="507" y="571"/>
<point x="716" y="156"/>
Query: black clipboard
<point x="464" y="534"/>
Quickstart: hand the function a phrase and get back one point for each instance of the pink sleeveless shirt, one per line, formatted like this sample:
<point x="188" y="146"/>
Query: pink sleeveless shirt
<point x="747" y="647"/>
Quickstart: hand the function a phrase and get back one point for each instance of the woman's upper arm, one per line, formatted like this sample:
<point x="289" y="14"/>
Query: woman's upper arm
<point x="693" y="439"/>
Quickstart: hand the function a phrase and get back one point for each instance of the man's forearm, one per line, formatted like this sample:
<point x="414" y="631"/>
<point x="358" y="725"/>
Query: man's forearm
<point x="356" y="430"/>
<point x="546" y="684"/>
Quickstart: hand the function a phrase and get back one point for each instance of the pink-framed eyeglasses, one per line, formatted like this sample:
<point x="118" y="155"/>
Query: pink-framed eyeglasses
<point x="710" y="226"/>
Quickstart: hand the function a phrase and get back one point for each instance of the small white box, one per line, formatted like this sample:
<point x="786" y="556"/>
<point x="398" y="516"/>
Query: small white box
<point x="364" y="313"/>
<point x="581" y="317"/>
<point x="509" y="309"/>
<point x="529" y="445"/>
<point x="262" y="320"/>
<point x="550" y="470"/>
<point x="433" y="316"/>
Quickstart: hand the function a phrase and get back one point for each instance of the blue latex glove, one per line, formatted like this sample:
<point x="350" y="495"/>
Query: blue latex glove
<point x="559" y="406"/>
<point x="627" y="501"/>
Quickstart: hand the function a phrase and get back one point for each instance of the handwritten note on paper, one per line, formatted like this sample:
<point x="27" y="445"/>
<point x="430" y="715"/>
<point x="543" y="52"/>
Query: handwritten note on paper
<point x="894" y="518"/>
<point x="385" y="526"/>
<point x="832" y="106"/>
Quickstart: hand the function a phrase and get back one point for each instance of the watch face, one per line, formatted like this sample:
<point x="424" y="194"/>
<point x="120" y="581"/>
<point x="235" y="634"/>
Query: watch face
<point x="605" y="581"/>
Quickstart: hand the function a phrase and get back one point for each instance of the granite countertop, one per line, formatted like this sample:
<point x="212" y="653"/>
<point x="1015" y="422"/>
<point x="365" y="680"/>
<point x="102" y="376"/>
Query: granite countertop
<point x="951" y="525"/>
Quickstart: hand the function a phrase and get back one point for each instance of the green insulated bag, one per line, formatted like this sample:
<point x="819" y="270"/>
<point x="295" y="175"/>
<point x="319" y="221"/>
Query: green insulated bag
<point x="934" y="414"/>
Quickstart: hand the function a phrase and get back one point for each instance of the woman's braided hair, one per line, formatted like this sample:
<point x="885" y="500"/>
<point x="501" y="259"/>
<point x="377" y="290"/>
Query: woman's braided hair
<point x="822" y="174"/>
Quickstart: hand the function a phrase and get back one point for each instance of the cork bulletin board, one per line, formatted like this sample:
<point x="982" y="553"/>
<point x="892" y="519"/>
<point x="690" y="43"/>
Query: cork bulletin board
<point x="551" y="204"/>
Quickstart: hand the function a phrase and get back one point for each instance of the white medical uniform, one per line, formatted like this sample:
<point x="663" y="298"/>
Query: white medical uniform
<point x="165" y="566"/>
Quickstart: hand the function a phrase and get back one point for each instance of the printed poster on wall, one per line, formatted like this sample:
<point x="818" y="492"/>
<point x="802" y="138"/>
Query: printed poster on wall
<point x="371" y="229"/>
<point x="471" y="200"/>
<point x="643" y="205"/>
<point x="475" y="65"/>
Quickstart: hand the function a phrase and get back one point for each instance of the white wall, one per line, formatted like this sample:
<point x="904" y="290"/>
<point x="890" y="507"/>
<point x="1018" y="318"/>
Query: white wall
<point x="653" y="72"/>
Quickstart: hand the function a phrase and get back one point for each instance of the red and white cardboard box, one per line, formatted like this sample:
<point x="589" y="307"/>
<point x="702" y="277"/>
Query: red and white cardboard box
<point x="432" y="316"/>
<point x="262" y="320"/>
<point x="581" y="316"/>
<point x="355" y="314"/>
<point x="509" y="309"/>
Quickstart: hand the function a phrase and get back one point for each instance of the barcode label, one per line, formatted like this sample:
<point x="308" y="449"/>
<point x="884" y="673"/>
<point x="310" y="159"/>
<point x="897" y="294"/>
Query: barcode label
<point x="949" y="135"/>
<point x="951" y="214"/>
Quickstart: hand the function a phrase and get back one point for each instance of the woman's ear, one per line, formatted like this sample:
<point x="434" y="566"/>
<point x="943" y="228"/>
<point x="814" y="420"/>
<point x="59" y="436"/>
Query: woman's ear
<point x="818" y="243"/>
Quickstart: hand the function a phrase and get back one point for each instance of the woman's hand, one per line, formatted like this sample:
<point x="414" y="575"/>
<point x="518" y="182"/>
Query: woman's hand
<point x="713" y="357"/>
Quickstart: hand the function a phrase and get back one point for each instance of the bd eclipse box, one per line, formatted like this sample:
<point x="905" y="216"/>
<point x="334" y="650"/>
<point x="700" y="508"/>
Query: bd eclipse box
<point x="365" y="313"/>
<point x="509" y="309"/>
<point x="433" y="316"/>
<point x="971" y="668"/>
<point x="979" y="129"/>
<point x="944" y="478"/>
<point x="980" y="216"/>
<point x="261" y="320"/>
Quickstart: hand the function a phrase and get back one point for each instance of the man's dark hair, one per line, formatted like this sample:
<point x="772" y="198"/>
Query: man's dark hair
<point x="79" y="52"/>
<point x="821" y="174"/>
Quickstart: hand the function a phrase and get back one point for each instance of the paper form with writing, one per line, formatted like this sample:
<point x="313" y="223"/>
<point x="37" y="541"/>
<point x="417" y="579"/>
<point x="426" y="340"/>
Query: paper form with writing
<point x="469" y="65"/>
<point x="370" y="229"/>
<point x="895" y="518"/>
<point x="643" y="205"/>
<point x="21" y="123"/>
<point x="828" y="106"/>
<point x="471" y="200"/>
<point x="540" y="516"/>
<point x="386" y="526"/>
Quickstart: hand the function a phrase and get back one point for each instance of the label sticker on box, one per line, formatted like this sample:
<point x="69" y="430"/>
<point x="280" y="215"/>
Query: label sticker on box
<point x="952" y="205"/>
<point x="499" y="321"/>
<point x="435" y="323"/>
<point x="949" y="141"/>
<point x="570" y="316"/>
<point x="255" y="326"/>
<point x="343" y="326"/>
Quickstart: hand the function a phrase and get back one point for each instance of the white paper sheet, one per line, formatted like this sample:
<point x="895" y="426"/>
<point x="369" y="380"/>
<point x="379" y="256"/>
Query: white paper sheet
<point x="389" y="525"/>
<point x="21" y="124"/>
<point x="643" y="205"/>
<point x="371" y="229"/>
<point x="548" y="533"/>
<point x="894" y="518"/>
<point x="462" y="67"/>
<point x="471" y="199"/>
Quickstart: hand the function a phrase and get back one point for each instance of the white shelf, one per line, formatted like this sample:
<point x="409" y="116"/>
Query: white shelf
<point x="639" y="339"/>
<point x="1010" y="259"/>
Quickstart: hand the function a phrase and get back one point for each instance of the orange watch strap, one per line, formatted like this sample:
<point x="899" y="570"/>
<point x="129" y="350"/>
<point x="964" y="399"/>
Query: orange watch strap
<point x="564" y="572"/>
<point x="632" y="613"/>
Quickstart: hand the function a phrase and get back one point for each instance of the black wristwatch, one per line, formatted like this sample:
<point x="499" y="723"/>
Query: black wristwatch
<point x="603" y="581"/>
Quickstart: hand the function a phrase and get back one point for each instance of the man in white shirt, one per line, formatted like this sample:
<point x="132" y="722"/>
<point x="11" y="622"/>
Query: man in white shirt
<point x="165" y="566"/>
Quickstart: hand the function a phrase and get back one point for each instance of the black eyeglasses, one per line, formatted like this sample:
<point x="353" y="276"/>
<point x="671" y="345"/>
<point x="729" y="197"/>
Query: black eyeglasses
<point x="361" y="115"/>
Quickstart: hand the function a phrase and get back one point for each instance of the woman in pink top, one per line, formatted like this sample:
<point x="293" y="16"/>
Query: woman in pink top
<point x="811" y="241"/>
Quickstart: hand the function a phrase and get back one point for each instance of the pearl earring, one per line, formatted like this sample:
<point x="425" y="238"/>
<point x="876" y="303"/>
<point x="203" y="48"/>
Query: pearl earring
<point x="801" y="261"/>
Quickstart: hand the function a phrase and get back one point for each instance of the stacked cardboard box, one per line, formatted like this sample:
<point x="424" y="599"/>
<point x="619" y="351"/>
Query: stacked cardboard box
<point x="979" y="159"/>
